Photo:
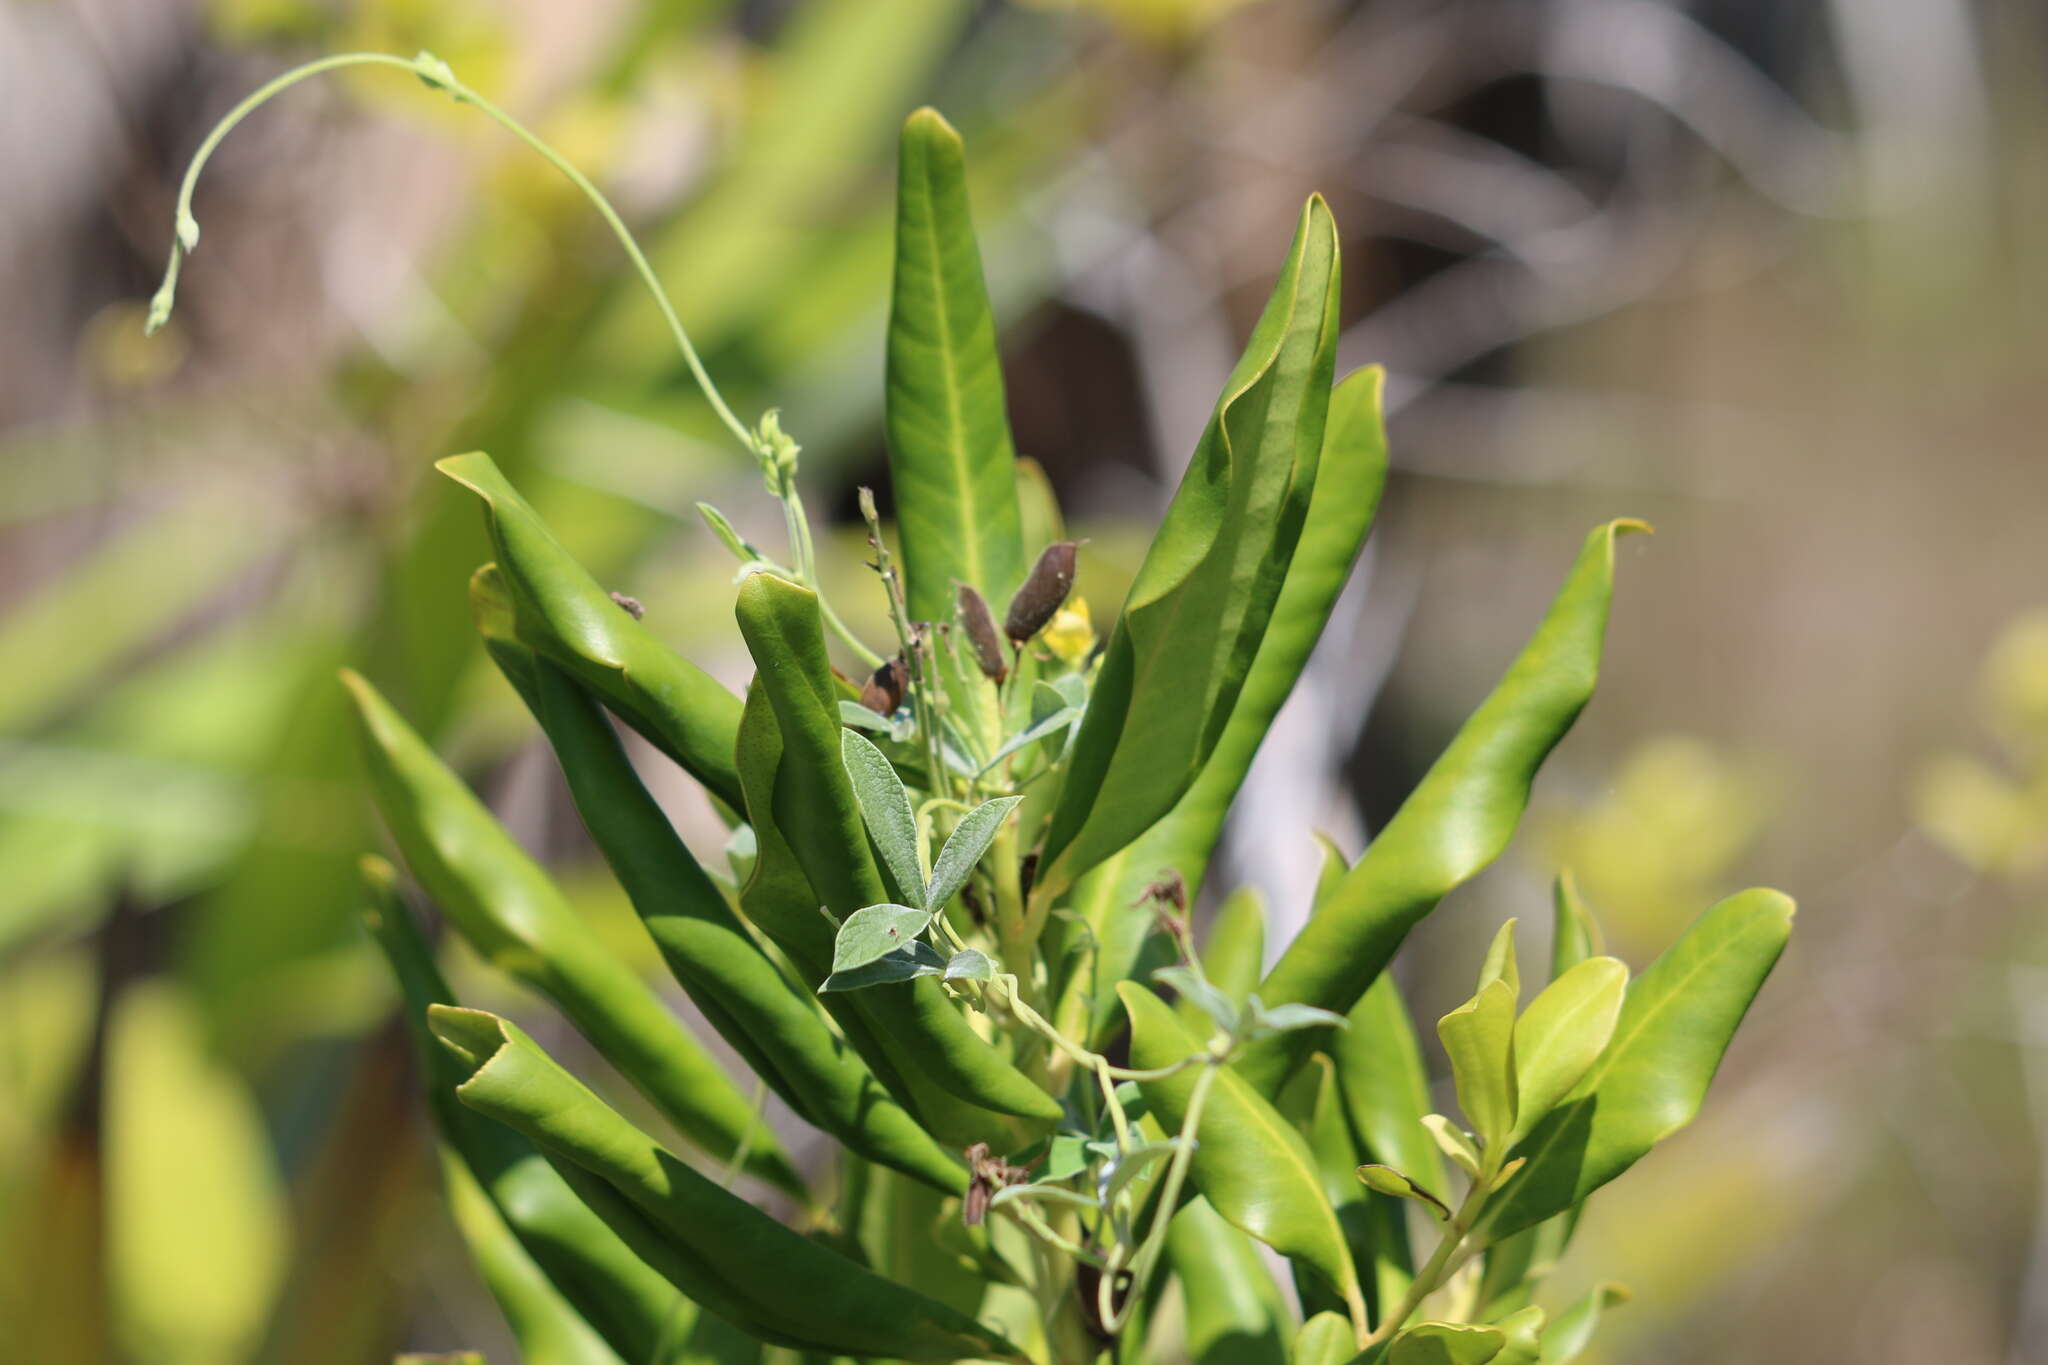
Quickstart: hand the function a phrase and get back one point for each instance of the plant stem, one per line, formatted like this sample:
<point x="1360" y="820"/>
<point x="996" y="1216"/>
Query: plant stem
<point x="1439" y="1266"/>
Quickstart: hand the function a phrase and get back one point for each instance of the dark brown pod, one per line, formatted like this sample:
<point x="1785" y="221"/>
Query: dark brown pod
<point x="980" y="625"/>
<point x="1044" y="592"/>
<point x="884" y="692"/>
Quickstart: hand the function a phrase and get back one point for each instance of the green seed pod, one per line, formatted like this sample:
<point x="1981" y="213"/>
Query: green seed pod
<point x="980" y="624"/>
<point x="1044" y="592"/>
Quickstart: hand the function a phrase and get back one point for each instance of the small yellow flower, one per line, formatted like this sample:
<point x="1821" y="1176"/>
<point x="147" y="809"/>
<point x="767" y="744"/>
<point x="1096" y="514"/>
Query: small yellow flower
<point x="1071" y="634"/>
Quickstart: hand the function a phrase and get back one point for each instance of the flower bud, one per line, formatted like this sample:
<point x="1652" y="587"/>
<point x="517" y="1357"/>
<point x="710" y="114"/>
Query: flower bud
<point x="1043" y="593"/>
<point x="884" y="692"/>
<point x="980" y="625"/>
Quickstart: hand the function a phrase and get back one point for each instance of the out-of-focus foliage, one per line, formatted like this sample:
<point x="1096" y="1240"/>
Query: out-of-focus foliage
<point x="1769" y="279"/>
<point x="1994" y="817"/>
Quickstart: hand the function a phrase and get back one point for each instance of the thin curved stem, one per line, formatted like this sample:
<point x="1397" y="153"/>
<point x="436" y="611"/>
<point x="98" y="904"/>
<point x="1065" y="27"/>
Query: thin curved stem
<point x="436" y="73"/>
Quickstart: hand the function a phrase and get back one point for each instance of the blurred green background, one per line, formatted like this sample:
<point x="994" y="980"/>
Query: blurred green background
<point x="1769" y="275"/>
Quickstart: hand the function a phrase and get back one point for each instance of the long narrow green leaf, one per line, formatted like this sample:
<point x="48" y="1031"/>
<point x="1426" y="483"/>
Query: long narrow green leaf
<point x="1184" y="643"/>
<point x="1459" y="817"/>
<point x="1385" y="1090"/>
<point x="640" y="1314"/>
<point x="1249" y="1163"/>
<point x="564" y="614"/>
<point x="1676" y="1021"/>
<point x="727" y="1254"/>
<point x="951" y="462"/>
<point x="1235" y="1313"/>
<point x="805" y="799"/>
<point x="782" y="1034"/>
<point x="548" y="1330"/>
<point x="1348" y="480"/>
<point x="507" y="907"/>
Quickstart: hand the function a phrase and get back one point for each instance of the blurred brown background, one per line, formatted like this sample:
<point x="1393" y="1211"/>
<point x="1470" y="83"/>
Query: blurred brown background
<point x="1767" y="275"/>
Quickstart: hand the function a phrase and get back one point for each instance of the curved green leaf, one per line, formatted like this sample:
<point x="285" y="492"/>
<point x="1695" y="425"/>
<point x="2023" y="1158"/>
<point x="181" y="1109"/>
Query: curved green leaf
<point x="638" y="1312"/>
<point x="1325" y="1339"/>
<point x="711" y="954"/>
<point x="1235" y="1314"/>
<point x="1561" y="1035"/>
<point x="562" y="613"/>
<point x="721" y="1250"/>
<point x="1479" y="1039"/>
<point x="798" y="792"/>
<point x="548" y="1330"/>
<point x="1249" y="1163"/>
<point x="1234" y="953"/>
<point x="1184" y="644"/>
<point x="1575" y="934"/>
<point x="951" y="462"/>
<point x="1348" y="480"/>
<point x="964" y="848"/>
<point x="507" y="907"/>
<point x="1567" y="1338"/>
<point x="1459" y="817"/>
<point x="1385" y="1089"/>
<point x="1676" y="1021"/>
<point x="1447" y="1343"/>
<point x="1385" y="1085"/>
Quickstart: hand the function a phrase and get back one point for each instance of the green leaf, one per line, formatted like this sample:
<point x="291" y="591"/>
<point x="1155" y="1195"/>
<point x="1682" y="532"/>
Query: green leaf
<point x="1348" y="480"/>
<point x="1385" y="1087"/>
<point x="1133" y="1164"/>
<point x="1453" y="1142"/>
<point x="743" y="994"/>
<point x="1235" y="1314"/>
<point x="1286" y="1018"/>
<point x="874" y="931"/>
<point x="1385" y="1091"/>
<point x="1445" y="1343"/>
<point x="1566" y="1339"/>
<point x="729" y="537"/>
<point x="185" y="1148"/>
<point x="511" y="912"/>
<point x="1042" y="1194"/>
<point x="635" y="1309"/>
<point x="1042" y="727"/>
<point x="711" y="1244"/>
<point x="1459" y="817"/>
<point x="1222" y="1012"/>
<point x="970" y="964"/>
<point x="1479" y="1038"/>
<point x="885" y="809"/>
<point x="1499" y="964"/>
<point x="950" y="458"/>
<point x="1524" y="1332"/>
<point x="916" y="1040"/>
<point x="562" y="613"/>
<point x="910" y="963"/>
<point x="1561" y="1035"/>
<point x="1676" y="1021"/>
<point x="964" y="848"/>
<point x="1325" y="1339"/>
<point x="1575" y="934"/>
<point x="542" y="1321"/>
<point x="1234" y="953"/>
<point x="1185" y="641"/>
<point x="1249" y="1163"/>
<point x="1386" y="1180"/>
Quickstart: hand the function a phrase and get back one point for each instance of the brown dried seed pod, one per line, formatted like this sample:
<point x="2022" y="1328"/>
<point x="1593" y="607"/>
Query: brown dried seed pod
<point x="1044" y="592"/>
<point x="980" y="625"/>
<point x="884" y="692"/>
